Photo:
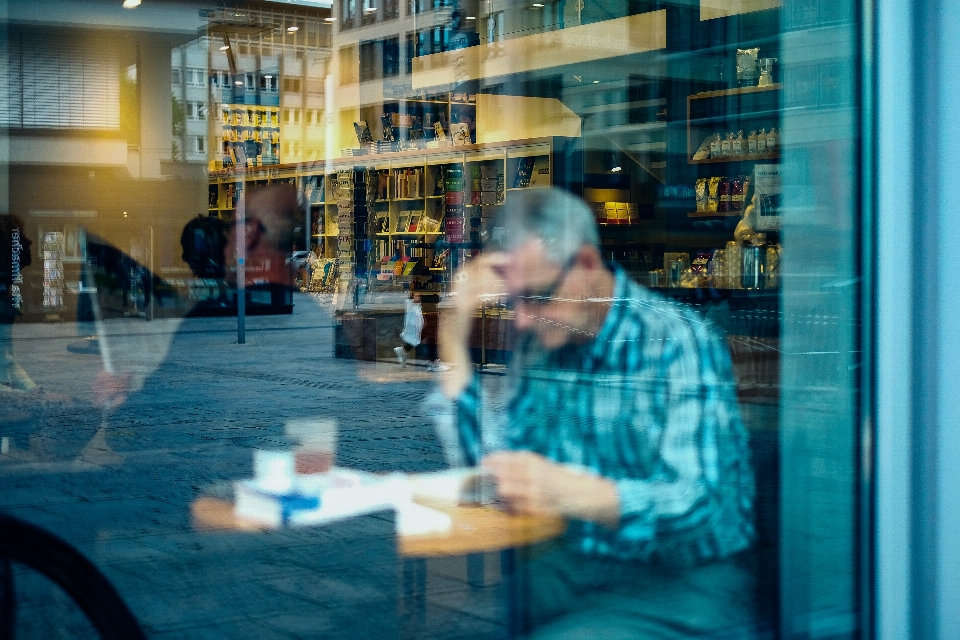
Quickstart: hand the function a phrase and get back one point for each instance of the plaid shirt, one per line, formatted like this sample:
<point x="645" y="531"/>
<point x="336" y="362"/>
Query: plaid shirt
<point x="650" y="404"/>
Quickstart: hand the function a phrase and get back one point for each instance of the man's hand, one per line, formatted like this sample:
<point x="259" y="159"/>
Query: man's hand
<point x="474" y="284"/>
<point x="530" y="483"/>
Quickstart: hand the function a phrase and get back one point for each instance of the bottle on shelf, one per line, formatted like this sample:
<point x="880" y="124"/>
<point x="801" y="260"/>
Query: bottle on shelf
<point x="715" y="146"/>
<point x="738" y="144"/>
<point x="752" y="143"/>
<point x="726" y="147"/>
<point x="762" y="141"/>
<point x="773" y="140"/>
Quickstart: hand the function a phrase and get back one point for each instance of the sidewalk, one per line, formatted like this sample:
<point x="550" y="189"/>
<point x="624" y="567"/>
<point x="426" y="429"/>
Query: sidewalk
<point x="207" y="404"/>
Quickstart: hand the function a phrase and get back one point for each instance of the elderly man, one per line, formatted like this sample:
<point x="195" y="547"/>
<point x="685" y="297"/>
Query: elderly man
<point x="620" y="415"/>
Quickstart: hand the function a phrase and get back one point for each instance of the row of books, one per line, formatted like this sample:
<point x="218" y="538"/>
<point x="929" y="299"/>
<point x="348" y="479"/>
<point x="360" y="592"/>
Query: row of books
<point x="252" y="117"/>
<point x="616" y="212"/>
<point x="532" y="171"/>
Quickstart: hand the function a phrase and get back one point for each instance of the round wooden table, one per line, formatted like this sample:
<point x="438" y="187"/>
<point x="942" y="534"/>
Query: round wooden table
<point x="473" y="532"/>
<point x="474" y="529"/>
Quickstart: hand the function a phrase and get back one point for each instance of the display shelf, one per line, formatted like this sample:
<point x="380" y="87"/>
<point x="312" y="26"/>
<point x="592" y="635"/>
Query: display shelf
<point x="732" y="159"/>
<point x="715" y="214"/>
<point x="740" y="115"/>
<point x="736" y="91"/>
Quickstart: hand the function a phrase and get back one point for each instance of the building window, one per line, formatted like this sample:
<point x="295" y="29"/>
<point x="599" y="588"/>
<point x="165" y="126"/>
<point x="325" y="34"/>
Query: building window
<point x="410" y="53"/>
<point x="200" y="144"/>
<point x="196" y="77"/>
<point x="391" y="9"/>
<point x="349" y="63"/>
<point x="391" y="57"/>
<point x="347" y="12"/>
<point x="291" y="85"/>
<point x="286" y="116"/>
<point x="368" y="60"/>
<point x="268" y="84"/>
<point x="251" y="81"/>
<point x="176" y="76"/>
<point x="189" y="110"/>
<point x="368" y="13"/>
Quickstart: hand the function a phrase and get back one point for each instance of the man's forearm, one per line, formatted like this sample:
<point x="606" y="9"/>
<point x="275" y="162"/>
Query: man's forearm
<point x="594" y="499"/>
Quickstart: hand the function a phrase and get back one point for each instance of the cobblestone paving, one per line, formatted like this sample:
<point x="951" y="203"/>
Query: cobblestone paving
<point x="207" y="403"/>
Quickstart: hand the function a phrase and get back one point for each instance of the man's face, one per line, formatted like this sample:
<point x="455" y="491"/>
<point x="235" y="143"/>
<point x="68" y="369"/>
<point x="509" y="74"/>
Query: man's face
<point x="547" y="297"/>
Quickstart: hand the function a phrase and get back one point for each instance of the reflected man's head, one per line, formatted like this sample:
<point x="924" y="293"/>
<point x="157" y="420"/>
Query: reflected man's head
<point x="551" y="265"/>
<point x="269" y="218"/>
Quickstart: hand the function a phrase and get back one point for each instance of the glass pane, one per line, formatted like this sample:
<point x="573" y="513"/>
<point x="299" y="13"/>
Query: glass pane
<point x="439" y="318"/>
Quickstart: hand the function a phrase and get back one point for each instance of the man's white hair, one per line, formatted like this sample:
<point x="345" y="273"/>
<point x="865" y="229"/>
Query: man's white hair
<point x="561" y="220"/>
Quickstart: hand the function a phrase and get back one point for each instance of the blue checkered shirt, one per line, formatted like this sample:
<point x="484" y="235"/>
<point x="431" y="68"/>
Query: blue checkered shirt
<point x="650" y="404"/>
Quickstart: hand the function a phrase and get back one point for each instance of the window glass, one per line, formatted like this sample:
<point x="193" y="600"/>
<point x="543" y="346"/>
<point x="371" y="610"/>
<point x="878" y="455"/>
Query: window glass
<point x="475" y="319"/>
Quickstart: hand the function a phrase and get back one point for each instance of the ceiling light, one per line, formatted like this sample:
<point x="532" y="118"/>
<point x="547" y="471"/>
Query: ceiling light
<point x="596" y="82"/>
<point x="267" y="76"/>
<point x="131" y="4"/>
<point x="471" y="18"/>
<point x="538" y="5"/>
<point x="329" y="19"/>
<point x="616" y="169"/>
<point x="239" y="83"/>
<point x="224" y="47"/>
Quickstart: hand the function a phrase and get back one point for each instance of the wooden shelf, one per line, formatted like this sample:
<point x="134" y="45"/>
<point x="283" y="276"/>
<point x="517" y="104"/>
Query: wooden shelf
<point x="731" y="159"/>
<point x="738" y="91"/>
<point x="715" y="214"/>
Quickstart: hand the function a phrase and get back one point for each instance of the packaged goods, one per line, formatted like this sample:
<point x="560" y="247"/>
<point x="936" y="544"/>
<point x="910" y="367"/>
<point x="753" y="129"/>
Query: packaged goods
<point x="747" y="66"/>
<point x="736" y="194"/>
<point x="713" y="194"/>
<point x="715" y="146"/>
<point x="726" y="146"/>
<point x="701" y="195"/>
<point x="725" y="195"/>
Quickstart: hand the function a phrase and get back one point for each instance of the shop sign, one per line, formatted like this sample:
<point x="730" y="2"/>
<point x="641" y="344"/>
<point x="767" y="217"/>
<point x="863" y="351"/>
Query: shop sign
<point x="16" y="248"/>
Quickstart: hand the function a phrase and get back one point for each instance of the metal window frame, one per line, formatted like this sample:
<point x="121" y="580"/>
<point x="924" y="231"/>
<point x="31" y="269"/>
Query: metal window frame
<point x="914" y="95"/>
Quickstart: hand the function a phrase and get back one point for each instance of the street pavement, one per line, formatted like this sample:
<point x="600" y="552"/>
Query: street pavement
<point x="119" y="485"/>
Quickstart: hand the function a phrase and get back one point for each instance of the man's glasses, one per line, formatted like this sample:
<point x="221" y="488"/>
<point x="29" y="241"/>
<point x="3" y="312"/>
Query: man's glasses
<point x="544" y="296"/>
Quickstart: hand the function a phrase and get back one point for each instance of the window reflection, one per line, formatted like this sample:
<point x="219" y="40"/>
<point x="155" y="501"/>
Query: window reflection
<point x="660" y="415"/>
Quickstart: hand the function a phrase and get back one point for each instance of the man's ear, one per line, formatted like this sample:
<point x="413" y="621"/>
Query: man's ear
<point x="589" y="258"/>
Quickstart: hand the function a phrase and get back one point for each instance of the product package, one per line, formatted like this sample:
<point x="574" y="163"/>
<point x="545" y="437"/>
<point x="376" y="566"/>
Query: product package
<point x="713" y="194"/>
<point x="747" y="66"/>
<point x="701" y="195"/>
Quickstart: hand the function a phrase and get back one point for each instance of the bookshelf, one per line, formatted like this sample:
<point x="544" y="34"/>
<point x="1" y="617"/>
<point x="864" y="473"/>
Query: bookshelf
<point x="412" y="201"/>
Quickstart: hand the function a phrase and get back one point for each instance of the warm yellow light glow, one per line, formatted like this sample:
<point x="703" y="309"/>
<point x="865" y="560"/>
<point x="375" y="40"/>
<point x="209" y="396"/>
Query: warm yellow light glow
<point x="293" y="28"/>
<point x="131" y="4"/>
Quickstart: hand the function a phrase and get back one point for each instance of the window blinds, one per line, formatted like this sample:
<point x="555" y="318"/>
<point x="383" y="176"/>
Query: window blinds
<point x="53" y="82"/>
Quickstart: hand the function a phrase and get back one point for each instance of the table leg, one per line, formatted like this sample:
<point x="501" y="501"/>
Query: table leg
<point x="475" y="569"/>
<point x="415" y="587"/>
<point x="515" y="580"/>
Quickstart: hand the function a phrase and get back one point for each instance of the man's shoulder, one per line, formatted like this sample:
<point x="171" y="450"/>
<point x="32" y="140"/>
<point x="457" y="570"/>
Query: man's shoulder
<point x="654" y="311"/>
